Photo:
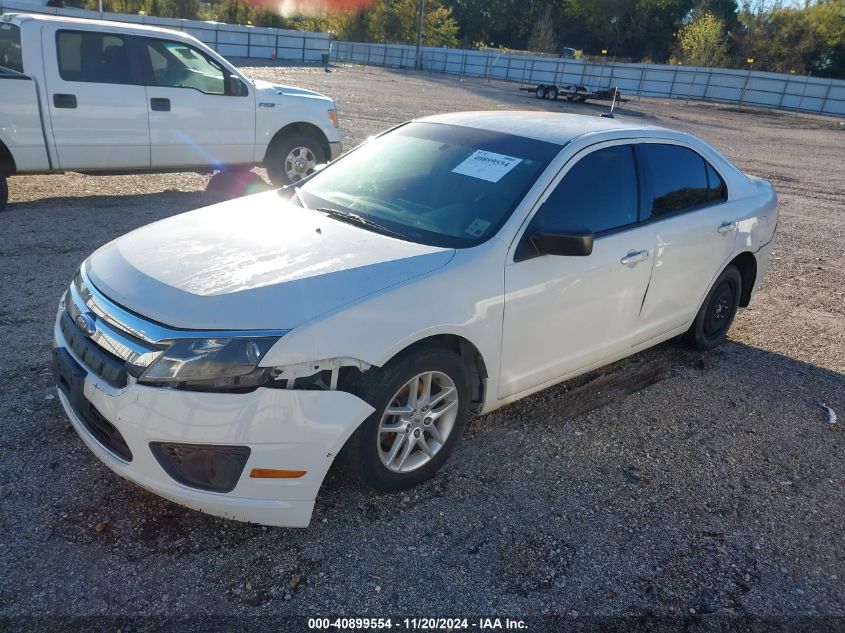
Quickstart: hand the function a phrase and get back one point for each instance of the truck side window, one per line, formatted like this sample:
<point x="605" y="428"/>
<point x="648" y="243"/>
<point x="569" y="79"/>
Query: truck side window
<point x="93" y="57"/>
<point x="10" y="47"/>
<point x="178" y="65"/>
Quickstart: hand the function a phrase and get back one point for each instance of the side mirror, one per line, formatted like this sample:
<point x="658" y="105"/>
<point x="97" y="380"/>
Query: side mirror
<point x="572" y="241"/>
<point x="236" y="87"/>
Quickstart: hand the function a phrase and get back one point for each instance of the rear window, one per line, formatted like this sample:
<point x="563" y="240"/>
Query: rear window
<point x="10" y="47"/>
<point x="93" y="57"/>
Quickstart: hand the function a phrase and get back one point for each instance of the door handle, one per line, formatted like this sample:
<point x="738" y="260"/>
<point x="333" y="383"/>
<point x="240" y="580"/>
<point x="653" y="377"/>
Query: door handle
<point x="159" y="104"/>
<point x="64" y="101"/>
<point x="634" y="257"/>
<point x="726" y="227"/>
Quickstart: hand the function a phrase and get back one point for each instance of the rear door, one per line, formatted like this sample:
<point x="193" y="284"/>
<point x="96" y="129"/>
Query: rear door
<point x="96" y="98"/>
<point x="198" y="116"/>
<point x="694" y="227"/>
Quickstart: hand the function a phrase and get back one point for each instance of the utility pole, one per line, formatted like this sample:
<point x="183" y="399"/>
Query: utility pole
<point x="420" y="34"/>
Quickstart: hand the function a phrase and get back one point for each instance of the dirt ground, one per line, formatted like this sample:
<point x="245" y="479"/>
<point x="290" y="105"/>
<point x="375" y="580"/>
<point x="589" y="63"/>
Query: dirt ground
<point x="711" y="491"/>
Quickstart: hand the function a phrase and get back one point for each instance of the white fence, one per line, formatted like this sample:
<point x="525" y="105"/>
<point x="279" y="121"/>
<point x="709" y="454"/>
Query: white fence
<point x="792" y="92"/>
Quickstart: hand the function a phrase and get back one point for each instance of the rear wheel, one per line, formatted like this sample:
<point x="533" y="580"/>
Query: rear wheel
<point x="540" y="92"/>
<point x="716" y="315"/>
<point x="293" y="158"/>
<point x="421" y="403"/>
<point x="551" y="93"/>
<point x="4" y="192"/>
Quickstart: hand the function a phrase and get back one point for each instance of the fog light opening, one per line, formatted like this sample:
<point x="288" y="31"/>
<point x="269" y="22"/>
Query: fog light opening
<point x="215" y="468"/>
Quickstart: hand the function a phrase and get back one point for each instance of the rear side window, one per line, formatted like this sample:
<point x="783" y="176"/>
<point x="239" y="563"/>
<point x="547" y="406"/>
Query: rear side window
<point x="10" y="47"/>
<point x="599" y="192"/>
<point x="716" y="189"/>
<point x="678" y="179"/>
<point x="93" y="57"/>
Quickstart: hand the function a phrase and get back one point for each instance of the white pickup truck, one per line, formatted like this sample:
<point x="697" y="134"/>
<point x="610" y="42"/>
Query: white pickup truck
<point x="107" y="97"/>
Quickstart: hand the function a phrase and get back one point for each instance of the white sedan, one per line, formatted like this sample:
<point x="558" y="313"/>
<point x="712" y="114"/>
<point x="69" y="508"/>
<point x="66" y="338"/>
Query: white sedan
<point x="225" y="357"/>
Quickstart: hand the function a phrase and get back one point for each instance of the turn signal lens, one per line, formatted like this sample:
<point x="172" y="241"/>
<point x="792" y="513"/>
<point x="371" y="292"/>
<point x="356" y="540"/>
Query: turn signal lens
<point x="273" y="473"/>
<point x="333" y="117"/>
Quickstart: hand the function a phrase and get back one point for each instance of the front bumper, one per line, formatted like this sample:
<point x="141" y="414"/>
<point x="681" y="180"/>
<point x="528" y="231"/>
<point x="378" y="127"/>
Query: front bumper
<point x="335" y="150"/>
<point x="284" y="429"/>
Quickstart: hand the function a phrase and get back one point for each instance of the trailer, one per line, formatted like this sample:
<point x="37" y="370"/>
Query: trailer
<point x="574" y="92"/>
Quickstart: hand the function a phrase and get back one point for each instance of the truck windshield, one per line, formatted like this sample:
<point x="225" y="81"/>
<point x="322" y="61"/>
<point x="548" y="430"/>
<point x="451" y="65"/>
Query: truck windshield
<point x="443" y="185"/>
<point x="10" y="47"/>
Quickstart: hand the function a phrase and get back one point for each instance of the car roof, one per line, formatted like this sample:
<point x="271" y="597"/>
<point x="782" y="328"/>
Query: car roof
<point x="86" y="22"/>
<point x="554" y="127"/>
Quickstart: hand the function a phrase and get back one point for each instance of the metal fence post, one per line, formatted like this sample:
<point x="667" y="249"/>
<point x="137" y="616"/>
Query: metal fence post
<point x="640" y="84"/>
<point x="744" y="88"/>
<point x="826" y="95"/>
<point x="672" y="85"/>
<point x="486" y="67"/>
<point x="707" y="84"/>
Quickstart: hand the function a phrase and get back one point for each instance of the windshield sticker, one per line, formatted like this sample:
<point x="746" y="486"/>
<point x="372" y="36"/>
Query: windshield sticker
<point x="487" y="165"/>
<point x="477" y="228"/>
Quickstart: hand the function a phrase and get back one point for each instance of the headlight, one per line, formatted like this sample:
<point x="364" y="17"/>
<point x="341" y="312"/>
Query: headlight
<point x="211" y="363"/>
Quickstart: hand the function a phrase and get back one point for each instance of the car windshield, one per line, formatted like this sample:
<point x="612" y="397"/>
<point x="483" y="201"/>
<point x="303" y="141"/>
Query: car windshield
<point x="436" y="184"/>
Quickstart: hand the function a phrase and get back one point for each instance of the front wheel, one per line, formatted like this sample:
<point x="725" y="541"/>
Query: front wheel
<point x="716" y="315"/>
<point x="293" y="158"/>
<point x="4" y="192"/>
<point x="421" y="406"/>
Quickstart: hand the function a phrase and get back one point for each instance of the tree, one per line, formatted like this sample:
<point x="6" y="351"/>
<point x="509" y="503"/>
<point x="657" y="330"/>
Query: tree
<point x="702" y="42"/>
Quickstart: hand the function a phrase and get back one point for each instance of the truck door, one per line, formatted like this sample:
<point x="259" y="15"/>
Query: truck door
<point x="96" y="98"/>
<point x="199" y="114"/>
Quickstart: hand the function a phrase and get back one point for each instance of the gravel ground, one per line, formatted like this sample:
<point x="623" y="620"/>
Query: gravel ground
<point x="716" y="492"/>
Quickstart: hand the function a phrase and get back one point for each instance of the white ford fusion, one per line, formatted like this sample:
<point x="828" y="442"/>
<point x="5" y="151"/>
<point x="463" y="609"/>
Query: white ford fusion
<point x="224" y="358"/>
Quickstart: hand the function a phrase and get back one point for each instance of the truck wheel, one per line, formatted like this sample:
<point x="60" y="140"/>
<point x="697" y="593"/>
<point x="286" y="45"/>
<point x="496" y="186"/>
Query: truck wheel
<point x="540" y="92"/>
<point x="4" y="192"/>
<point x="551" y="94"/>
<point x="293" y="158"/>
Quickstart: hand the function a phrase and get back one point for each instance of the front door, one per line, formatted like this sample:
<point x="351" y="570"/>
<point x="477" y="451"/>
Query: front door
<point x="565" y="313"/>
<point x="196" y="118"/>
<point x="96" y="97"/>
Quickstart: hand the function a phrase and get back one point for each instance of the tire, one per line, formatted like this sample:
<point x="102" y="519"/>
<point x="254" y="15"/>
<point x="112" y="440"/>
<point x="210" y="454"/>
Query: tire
<point x="283" y="158"/>
<point x="371" y="455"/>
<point x="540" y="92"/>
<point x="551" y="94"/>
<point x="4" y="192"/>
<point x="717" y="313"/>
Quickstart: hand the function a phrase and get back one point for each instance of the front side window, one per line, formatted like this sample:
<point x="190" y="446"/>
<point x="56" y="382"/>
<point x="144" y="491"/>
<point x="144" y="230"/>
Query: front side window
<point x="93" y="57"/>
<point x="10" y="47"/>
<point x="443" y="185"/>
<point x="599" y="192"/>
<point x="178" y="65"/>
<point x="678" y="179"/>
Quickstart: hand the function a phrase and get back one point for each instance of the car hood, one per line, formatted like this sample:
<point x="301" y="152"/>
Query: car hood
<point x="254" y="263"/>
<point x="275" y="92"/>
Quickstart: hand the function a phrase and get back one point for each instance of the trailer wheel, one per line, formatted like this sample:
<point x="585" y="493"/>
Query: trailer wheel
<point x="551" y="94"/>
<point x="4" y="192"/>
<point x="540" y="92"/>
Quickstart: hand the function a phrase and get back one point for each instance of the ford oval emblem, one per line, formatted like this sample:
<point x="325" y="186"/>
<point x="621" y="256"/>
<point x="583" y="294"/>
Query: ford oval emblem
<point x="85" y="322"/>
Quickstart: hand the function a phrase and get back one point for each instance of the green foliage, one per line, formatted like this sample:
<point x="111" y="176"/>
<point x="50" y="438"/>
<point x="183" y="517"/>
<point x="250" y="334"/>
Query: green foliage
<point x="809" y="38"/>
<point x="702" y="42"/>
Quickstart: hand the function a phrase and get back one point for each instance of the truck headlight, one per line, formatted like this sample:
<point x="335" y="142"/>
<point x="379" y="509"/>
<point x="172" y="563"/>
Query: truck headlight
<point x="211" y="363"/>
